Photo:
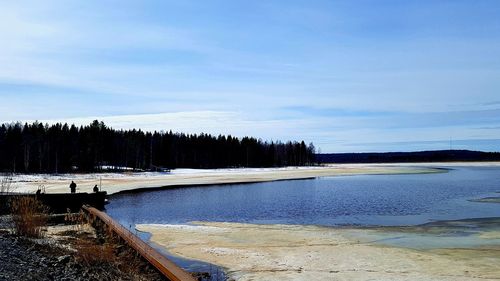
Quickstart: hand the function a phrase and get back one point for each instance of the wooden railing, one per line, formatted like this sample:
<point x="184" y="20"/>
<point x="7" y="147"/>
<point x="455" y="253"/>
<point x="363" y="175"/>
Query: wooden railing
<point x="160" y="262"/>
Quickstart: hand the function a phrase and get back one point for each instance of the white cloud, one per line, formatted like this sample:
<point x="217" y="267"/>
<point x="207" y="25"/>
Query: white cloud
<point x="195" y="122"/>
<point x="235" y="76"/>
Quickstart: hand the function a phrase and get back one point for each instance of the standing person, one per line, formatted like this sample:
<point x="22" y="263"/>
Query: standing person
<point x="96" y="189"/>
<point x="72" y="187"/>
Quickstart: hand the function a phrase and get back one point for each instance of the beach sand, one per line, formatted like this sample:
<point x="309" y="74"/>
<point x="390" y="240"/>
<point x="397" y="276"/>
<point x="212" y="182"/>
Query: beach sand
<point x="118" y="182"/>
<point x="297" y="252"/>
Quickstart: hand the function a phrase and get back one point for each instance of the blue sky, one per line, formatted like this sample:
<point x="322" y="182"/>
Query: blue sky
<point x="346" y="75"/>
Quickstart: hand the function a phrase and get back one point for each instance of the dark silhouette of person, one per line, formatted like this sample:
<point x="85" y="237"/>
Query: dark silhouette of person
<point x="72" y="186"/>
<point x="38" y="192"/>
<point x="96" y="189"/>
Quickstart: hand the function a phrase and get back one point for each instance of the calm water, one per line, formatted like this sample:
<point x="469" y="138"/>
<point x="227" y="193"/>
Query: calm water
<point x="351" y="200"/>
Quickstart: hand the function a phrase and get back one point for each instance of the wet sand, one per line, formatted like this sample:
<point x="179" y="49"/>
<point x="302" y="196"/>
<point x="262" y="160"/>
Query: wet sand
<point x="296" y="252"/>
<point x="119" y="182"/>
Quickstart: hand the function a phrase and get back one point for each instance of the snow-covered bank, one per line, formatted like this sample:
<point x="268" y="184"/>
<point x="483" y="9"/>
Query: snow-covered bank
<point x="298" y="252"/>
<point x="117" y="182"/>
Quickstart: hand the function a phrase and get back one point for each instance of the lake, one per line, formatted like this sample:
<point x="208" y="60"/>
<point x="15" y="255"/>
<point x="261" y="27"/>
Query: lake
<point x="369" y="200"/>
<point x="374" y="200"/>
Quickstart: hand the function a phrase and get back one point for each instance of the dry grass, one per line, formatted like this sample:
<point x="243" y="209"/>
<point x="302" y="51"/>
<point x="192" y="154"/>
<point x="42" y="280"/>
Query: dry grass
<point x="103" y="247"/>
<point x="77" y="220"/>
<point x="89" y="253"/>
<point x="29" y="216"/>
<point x="90" y="245"/>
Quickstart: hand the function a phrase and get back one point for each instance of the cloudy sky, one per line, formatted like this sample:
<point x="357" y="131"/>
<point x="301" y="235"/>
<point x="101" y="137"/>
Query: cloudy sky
<point x="346" y="75"/>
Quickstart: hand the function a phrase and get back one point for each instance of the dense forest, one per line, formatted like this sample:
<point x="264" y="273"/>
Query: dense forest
<point x="58" y="148"/>
<point x="401" y="157"/>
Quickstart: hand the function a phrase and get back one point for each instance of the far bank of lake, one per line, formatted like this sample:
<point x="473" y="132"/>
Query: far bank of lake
<point x="134" y="181"/>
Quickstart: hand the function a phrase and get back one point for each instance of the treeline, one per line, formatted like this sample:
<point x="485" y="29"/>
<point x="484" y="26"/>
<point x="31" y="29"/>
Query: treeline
<point x="58" y="148"/>
<point x="402" y="157"/>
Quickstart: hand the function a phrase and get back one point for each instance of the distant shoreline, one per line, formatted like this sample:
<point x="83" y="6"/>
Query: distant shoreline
<point x="114" y="183"/>
<point x="138" y="182"/>
<point x="450" y="155"/>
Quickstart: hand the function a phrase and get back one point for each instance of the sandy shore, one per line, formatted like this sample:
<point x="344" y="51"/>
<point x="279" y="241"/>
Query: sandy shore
<point x="295" y="252"/>
<point x="117" y="182"/>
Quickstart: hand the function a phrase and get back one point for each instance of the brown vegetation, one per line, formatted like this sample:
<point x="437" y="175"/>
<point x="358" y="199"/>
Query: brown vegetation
<point x="96" y="245"/>
<point x="29" y="216"/>
<point x="89" y="253"/>
<point x="73" y="251"/>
